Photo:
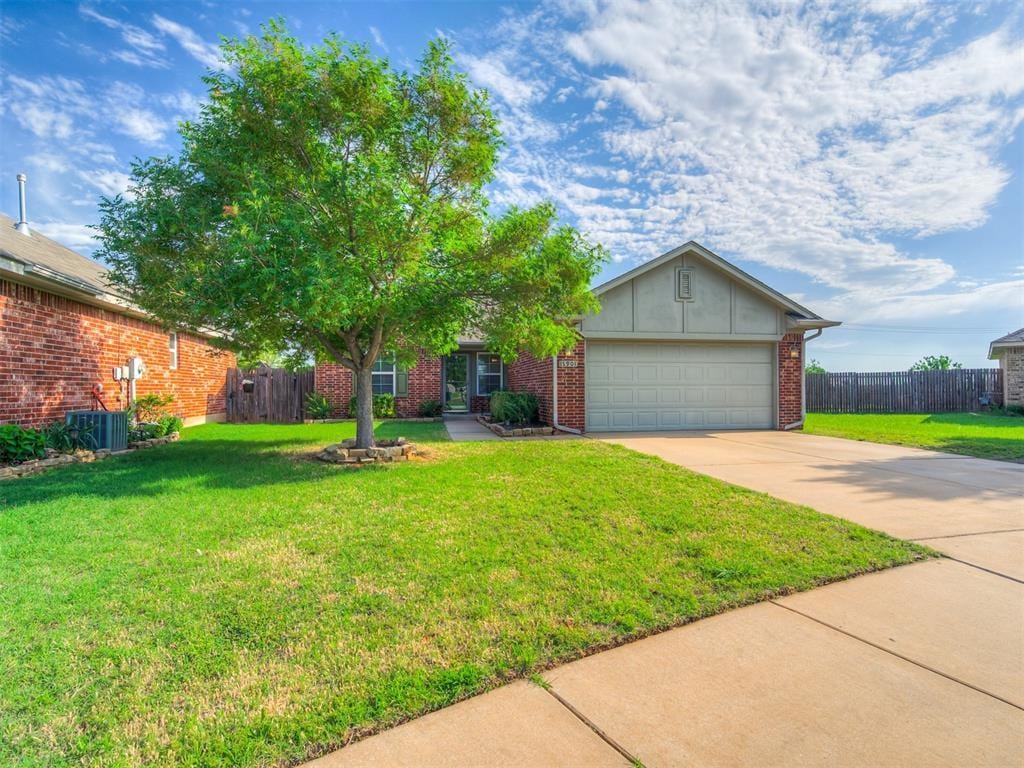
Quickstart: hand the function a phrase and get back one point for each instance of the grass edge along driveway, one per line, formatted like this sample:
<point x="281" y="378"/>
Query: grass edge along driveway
<point x="982" y="435"/>
<point x="228" y="601"/>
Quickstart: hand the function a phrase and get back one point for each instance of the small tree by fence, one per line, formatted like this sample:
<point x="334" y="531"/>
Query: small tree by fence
<point x="274" y="395"/>
<point x="961" y="389"/>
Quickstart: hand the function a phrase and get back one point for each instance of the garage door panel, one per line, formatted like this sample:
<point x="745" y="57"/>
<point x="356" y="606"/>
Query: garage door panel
<point x="673" y="385"/>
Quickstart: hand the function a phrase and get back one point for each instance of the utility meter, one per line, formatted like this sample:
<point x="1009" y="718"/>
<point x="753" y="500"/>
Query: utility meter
<point x="135" y="368"/>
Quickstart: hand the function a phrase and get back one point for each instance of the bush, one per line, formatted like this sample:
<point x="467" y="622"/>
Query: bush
<point x="149" y="409"/>
<point x="514" y="407"/>
<point x="19" y="444"/>
<point x="65" y="438"/>
<point x="383" y="407"/>
<point x="1013" y="410"/>
<point x="169" y="425"/>
<point x="317" y="406"/>
<point x="145" y="431"/>
<point x="429" y="408"/>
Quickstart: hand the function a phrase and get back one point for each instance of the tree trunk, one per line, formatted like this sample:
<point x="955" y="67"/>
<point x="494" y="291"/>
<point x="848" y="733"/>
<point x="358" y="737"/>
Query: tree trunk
<point x="364" y="407"/>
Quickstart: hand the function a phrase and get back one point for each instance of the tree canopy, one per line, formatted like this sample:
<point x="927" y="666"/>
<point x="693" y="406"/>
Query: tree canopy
<point x="935" y="363"/>
<point x="325" y="200"/>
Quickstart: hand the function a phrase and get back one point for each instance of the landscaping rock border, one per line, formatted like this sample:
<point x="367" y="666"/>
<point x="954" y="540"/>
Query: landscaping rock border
<point x="346" y="452"/>
<point x="501" y="431"/>
<point x="54" y="459"/>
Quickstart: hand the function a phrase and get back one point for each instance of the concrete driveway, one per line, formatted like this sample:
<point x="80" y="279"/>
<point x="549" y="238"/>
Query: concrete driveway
<point x="916" y="666"/>
<point x="969" y="509"/>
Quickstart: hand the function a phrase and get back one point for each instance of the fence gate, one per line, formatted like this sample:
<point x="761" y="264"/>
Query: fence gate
<point x="959" y="389"/>
<point x="273" y="395"/>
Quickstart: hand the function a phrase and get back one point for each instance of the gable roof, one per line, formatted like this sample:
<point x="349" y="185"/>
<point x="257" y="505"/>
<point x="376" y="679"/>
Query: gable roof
<point x="1013" y="339"/>
<point x="799" y="316"/>
<point x="38" y="256"/>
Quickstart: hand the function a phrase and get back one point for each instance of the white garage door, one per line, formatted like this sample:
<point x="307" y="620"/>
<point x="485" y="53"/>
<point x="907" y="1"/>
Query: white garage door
<point x="673" y="385"/>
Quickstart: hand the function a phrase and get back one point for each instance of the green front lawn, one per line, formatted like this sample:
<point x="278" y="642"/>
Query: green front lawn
<point x="226" y="601"/>
<point x="988" y="436"/>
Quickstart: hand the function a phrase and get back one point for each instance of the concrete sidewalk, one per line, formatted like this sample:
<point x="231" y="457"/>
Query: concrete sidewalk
<point x="917" y="666"/>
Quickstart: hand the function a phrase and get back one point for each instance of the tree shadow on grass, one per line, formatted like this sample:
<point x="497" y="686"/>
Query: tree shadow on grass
<point x="211" y="462"/>
<point x="984" y="420"/>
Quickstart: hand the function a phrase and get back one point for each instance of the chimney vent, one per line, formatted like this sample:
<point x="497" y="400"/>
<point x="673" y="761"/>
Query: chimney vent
<point x="22" y="225"/>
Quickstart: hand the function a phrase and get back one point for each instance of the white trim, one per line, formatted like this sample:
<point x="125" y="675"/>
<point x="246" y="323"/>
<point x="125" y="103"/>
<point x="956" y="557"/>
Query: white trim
<point x="172" y="349"/>
<point x="392" y="373"/>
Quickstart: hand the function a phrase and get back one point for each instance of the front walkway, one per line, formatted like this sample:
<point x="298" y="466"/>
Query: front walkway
<point x="917" y="666"/>
<point x="463" y="427"/>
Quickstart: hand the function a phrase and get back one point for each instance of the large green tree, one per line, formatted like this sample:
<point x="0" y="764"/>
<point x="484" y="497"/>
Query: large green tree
<point x="935" y="363"/>
<point x="324" y="199"/>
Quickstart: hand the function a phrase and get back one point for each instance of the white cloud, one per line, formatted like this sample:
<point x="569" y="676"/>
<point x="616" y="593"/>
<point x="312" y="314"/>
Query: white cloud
<point x="378" y="39"/>
<point x="144" y="49"/>
<point x="786" y="138"/>
<point x="76" y="236"/>
<point x="205" y="53"/>
<point x="108" y="182"/>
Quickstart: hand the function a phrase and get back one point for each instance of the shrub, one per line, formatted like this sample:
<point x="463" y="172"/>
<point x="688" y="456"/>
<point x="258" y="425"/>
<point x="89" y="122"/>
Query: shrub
<point x="514" y="407"/>
<point x="19" y="444"/>
<point x="1013" y="410"/>
<point x="165" y="425"/>
<point x="145" y="431"/>
<point x="383" y="406"/>
<point x="172" y="424"/>
<point x="65" y="438"/>
<point x="150" y="408"/>
<point x="429" y="408"/>
<point x="317" y="406"/>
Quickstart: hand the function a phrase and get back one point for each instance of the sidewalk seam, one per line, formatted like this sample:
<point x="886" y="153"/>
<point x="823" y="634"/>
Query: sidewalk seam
<point x="891" y="652"/>
<point x="633" y="760"/>
<point x="982" y="568"/>
<point x="974" y="533"/>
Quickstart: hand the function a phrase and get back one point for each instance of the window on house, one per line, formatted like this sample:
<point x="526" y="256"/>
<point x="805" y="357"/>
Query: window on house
<point x="384" y="375"/>
<point x="172" y="346"/>
<point x="488" y="374"/>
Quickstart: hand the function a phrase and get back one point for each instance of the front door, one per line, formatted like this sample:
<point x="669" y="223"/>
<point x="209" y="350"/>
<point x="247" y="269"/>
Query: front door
<point x="456" y="382"/>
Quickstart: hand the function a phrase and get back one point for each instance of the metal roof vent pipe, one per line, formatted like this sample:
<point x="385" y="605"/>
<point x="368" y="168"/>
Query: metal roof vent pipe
<point x="22" y="225"/>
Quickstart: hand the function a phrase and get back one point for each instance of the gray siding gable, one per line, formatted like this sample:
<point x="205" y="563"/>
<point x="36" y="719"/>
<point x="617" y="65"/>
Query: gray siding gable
<point x="721" y="306"/>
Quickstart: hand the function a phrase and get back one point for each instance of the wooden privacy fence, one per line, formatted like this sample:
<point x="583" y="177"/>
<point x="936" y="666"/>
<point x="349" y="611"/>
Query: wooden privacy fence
<point x="960" y="389"/>
<point x="267" y="394"/>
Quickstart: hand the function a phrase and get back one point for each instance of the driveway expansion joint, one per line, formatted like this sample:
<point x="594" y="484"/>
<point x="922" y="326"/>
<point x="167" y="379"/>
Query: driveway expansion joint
<point x="633" y="760"/>
<point x="972" y="533"/>
<point x="982" y="568"/>
<point x="891" y="652"/>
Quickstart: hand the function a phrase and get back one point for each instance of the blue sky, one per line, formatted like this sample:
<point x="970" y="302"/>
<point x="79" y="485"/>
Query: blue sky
<point x="864" y="159"/>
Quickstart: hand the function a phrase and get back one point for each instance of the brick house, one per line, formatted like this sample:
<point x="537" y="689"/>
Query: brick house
<point x="63" y="331"/>
<point x="1009" y="351"/>
<point x="685" y="341"/>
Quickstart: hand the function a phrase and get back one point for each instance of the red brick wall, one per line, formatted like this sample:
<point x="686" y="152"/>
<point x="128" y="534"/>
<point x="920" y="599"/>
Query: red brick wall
<point x="791" y="378"/>
<point x="53" y="350"/>
<point x="334" y="381"/>
<point x="533" y="375"/>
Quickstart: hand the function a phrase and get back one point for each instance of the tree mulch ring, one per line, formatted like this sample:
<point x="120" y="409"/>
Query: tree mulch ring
<point x="346" y="452"/>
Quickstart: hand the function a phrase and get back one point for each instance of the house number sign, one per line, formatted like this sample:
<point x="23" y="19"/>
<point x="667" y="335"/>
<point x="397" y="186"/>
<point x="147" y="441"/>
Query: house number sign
<point x="569" y="363"/>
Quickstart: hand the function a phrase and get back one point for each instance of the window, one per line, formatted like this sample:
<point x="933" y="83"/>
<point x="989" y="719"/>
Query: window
<point x="384" y="375"/>
<point x="488" y="374"/>
<point x="172" y="345"/>
<point x="684" y="284"/>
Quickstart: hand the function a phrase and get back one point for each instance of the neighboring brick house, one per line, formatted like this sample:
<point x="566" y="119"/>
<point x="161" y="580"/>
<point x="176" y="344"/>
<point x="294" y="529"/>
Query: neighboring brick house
<point x="685" y="341"/>
<point x="1009" y="351"/>
<point x="63" y="331"/>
